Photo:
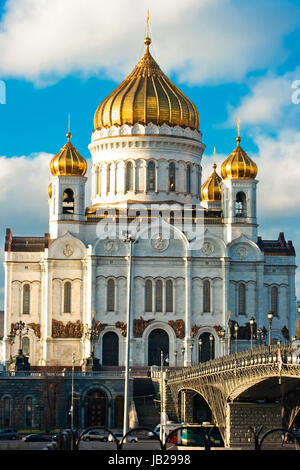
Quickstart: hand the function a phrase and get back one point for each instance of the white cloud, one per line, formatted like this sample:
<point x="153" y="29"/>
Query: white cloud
<point x="269" y="102"/>
<point x="201" y="40"/>
<point x="279" y="173"/>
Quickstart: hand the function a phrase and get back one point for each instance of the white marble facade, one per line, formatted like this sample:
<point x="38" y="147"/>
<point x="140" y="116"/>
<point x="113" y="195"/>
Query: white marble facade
<point x="185" y="292"/>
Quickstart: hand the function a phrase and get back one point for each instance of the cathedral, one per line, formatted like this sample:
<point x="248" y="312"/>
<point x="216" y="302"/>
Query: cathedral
<point x="182" y="254"/>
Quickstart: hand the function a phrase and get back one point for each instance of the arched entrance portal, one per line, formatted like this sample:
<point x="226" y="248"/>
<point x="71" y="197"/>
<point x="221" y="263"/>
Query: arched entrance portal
<point x="158" y="341"/>
<point x="96" y="408"/>
<point x="206" y="347"/>
<point x="110" y="349"/>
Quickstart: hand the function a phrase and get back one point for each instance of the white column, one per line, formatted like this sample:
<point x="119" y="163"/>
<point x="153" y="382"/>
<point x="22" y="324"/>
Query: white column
<point x="259" y="295"/>
<point x="188" y="295"/>
<point x="46" y="320"/>
<point x="7" y="303"/>
<point x="292" y="302"/>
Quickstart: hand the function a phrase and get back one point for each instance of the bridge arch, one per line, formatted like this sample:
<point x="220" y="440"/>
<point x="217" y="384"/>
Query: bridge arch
<point x="194" y="406"/>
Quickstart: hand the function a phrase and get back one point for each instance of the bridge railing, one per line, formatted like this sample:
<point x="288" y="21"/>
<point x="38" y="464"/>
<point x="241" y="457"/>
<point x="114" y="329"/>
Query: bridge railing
<point x="289" y="353"/>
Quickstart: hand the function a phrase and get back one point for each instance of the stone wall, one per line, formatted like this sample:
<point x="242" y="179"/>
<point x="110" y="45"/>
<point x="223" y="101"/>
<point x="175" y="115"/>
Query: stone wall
<point x="239" y="416"/>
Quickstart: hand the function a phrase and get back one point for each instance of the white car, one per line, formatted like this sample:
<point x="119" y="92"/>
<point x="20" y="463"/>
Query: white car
<point x="119" y="436"/>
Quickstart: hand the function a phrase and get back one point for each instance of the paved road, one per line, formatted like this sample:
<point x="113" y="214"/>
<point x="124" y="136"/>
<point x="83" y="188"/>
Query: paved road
<point x="94" y="445"/>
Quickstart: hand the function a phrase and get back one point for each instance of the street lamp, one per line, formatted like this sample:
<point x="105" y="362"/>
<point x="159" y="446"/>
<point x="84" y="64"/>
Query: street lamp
<point x="211" y="338"/>
<point x="229" y="324"/>
<point x="251" y="321"/>
<point x="182" y="352"/>
<point x="18" y="330"/>
<point x="92" y="334"/>
<point x="191" y="349"/>
<point x="162" y="397"/>
<point x="131" y="240"/>
<point x="72" y="396"/>
<point x="200" y="350"/>
<point x="175" y="354"/>
<point x="11" y="341"/>
<point x="270" y="318"/>
<point x="222" y="335"/>
<point x="236" y="330"/>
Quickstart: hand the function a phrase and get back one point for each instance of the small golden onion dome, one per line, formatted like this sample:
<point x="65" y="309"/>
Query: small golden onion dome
<point x="68" y="161"/>
<point x="147" y="96"/>
<point x="50" y="191"/>
<point x="211" y="189"/>
<point x="238" y="165"/>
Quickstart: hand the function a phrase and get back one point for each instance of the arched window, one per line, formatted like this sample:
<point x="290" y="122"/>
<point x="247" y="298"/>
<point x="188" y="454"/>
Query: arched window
<point x="169" y="296"/>
<point x="206" y="296"/>
<point x="67" y="297"/>
<point x="148" y="296"/>
<point x="108" y="178"/>
<point x="188" y="178"/>
<point x="6" y="411"/>
<point x="274" y="300"/>
<point x="129" y="177"/>
<point x="28" y="412"/>
<point x="240" y="205"/>
<point x="25" y="346"/>
<point x="151" y="176"/>
<point x="111" y="295"/>
<point x="242" y="299"/>
<point x="158" y="296"/>
<point x="68" y="201"/>
<point x="172" y="179"/>
<point x="26" y="299"/>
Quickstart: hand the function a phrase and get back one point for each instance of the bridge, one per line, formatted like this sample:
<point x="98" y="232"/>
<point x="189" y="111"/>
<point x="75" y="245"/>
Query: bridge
<point x="256" y="387"/>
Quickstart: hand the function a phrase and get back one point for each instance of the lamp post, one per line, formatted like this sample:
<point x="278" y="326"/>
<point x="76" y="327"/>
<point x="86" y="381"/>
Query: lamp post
<point x="211" y="338"/>
<point x="251" y="321"/>
<point x="236" y="330"/>
<point x="131" y="240"/>
<point x="18" y="330"/>
<point x="270" y="318"/>
<point x="92" y="334"/>
<point x="162" y="397"/>
<point x="182" y="352"/>
<point x="228" y="334"/>
<point x="72" y="393"/>
<point x="175" y="354"/>
<point x="191" y="349"/>
<point x="200" y="350"/>
<point x="222" y="335"/>
<point x="11" y="341"/>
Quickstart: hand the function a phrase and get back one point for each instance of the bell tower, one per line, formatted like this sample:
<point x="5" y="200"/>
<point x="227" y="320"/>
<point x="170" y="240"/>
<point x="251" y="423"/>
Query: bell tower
<point x="238" y="173"/>
<point x="66" y="190"/>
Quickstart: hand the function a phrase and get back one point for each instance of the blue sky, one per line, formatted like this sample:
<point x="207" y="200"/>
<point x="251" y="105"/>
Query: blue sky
<point x="232" y="58"/>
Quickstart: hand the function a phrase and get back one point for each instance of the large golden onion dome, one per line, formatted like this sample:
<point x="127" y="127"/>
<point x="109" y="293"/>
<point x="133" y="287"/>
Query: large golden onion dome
<point x="211" y="189"/>
<point x="68" y="161"/>
<point x="238" y="165"/>
<point x="147" y="96"/>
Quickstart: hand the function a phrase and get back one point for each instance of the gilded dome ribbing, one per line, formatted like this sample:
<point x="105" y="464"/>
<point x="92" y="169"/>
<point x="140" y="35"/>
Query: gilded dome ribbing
<point x="68" y="161"/>
<point x="238" y="165"/>
<point x="211" y="189"/>
<point x="147" y="96"/>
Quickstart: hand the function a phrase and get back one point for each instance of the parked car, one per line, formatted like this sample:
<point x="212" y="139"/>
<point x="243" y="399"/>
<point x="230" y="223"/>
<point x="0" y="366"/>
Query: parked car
<point x="119" y="435"/>
<point x="95" y="435"/>
<point x="9" y="433"/>
<point x="37" y="438"/>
